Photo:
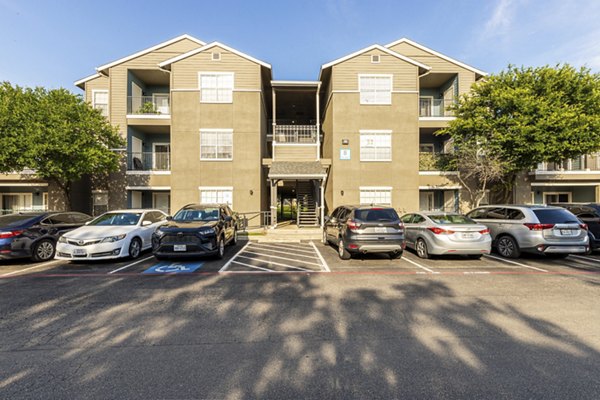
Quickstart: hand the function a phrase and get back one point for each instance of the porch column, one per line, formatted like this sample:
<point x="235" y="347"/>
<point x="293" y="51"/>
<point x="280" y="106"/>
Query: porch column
<point x="322" y="202"/>
<point x="273" y="203"/>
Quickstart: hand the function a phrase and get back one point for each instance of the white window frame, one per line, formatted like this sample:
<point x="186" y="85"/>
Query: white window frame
<point x="154" y="163"/>
<point x="364" y="94"/>
<point x="219" y="190"/>
<point x="204" y="131"/>
<point x="215" y="56"/>
<point x="371" y="132"/>
<point x="216" y="74"/>
<point x="374" y="57"/>
<point x="375" y="189"/>
<point x="94" y="91"/>
<point x="569" y="195"/>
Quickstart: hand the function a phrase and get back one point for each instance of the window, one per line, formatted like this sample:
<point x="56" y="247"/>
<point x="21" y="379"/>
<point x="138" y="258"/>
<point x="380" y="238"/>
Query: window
<point x="216" y="144"/>
<point x="100" y="101"/>
<point x="406" y="218"/>
<point x="216" y="56"/>
<point x="216" y="195"/>
<point x="375" y="89"/>
<point x="557" y="197"/>
<point x="514" y="214"/>
<point x="376" y="195"/>
<point x="375" y="58"/>
<point x="375" y="146"/>
<point x="216" y="87"/>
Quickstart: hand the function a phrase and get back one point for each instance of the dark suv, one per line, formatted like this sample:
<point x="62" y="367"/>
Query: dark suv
<point x="34" y="234"/>
<point x="196" y="230"/>
<point x="588" y="213"/>
<point x="365" y="229"/>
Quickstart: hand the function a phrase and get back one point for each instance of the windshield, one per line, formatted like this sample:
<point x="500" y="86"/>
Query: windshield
<point x="8" y="221"/>
<point x="555" y="216"/>
<point x="450" y="219"/>
<point x="376" y="215"/>
<point x="206" y="214"/>
<point x="117" y="219"/>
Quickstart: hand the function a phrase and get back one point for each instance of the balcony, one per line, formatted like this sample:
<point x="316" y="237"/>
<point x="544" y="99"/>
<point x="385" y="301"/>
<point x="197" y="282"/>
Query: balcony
<point x="579" y="164"/>
<point x="436" y="162"/>
<point x="157" y="105"/>
<point x="294" y="134"/>
<point x="435" y="108"/>
<point x="149" y="161"/>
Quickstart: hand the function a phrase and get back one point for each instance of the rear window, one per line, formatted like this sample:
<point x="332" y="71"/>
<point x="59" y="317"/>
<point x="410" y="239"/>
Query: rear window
<point x="376" y="215"/>
<point x="8" y="221"/>
<point x="451" y="219"/>
<point x="555" y="216"/>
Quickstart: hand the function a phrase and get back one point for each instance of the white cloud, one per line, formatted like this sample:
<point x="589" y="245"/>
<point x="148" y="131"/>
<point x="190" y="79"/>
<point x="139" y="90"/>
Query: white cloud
<point x="501" y="19"/>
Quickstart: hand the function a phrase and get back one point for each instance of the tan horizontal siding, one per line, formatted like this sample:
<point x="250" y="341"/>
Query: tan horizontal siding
<point x="100" y="83"/>
<point x="295" y="153"/>
<point x="185" y="72"/>
<point x="345" y="74"/>
<point x="409" y="50"/>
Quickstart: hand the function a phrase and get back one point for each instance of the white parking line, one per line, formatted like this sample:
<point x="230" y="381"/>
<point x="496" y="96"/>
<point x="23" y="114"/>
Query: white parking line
<point x="252" y="266"/>
<point x="324" y="266"/>
<point x="131" y="265"/>
<point x="228" y="263"/>
<point x="286" y="245"/>
<point x="285" y="252"/>
<point x="283" y="258"/>
<point x="420" y="266"/>
<point x="585" y="258"/>
<point x="515" y="263"/>
<point x="269" y="247"/>
<point x="27" y="269"/>
<point x="280" y="264"/>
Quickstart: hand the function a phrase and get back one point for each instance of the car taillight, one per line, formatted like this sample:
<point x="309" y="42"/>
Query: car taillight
<point x="9" y="234"/>
<point x="401" y="227"/>
<point x="440" y="231"/>
<point x="485" y="231"/>
<point x="352" y="225"/>
<point x="539" y="227"/>
<point x="583" y="226"/>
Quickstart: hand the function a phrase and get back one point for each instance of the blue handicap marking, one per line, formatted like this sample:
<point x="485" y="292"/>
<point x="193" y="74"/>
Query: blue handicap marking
<point x="174" y="268"/>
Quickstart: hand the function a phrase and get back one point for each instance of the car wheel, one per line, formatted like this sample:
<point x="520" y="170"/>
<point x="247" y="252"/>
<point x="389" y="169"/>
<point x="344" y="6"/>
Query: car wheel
<point x="324" y="240"/>
<point x="220" y="248"/>
<point x="421" y="248"/>
<point x="234" y="239"/>
<point x="135" y="248"/>
<point x="395" y="254"/>
<point x="342" y="252"/>
<point x="43" y="250"/>
<point x="507" y="247"/>
<point x="474" y="256"/>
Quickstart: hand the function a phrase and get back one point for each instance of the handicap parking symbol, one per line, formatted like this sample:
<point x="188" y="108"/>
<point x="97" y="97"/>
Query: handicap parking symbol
<point x="174" y="268"/>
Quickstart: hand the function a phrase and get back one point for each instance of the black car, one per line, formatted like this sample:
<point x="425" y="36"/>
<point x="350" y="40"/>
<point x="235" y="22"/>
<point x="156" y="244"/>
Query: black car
<point x="365" y="229"/>
<point x="588" y="213"/>
<point x="34" y="234"/>
<point x="196" y="230"/>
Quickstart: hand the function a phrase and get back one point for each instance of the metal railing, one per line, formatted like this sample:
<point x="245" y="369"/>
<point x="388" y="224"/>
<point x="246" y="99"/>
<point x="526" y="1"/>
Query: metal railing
<point x="149" y="161"/>
<point x="157" y="104"/>
<point x="23" y="209"/>
<point x="258" y="219"/>
<point x="436" y="161"/>
<point x="583" y="163"/>
<point x="430" y="107"/>
<point x="295" y="133"/>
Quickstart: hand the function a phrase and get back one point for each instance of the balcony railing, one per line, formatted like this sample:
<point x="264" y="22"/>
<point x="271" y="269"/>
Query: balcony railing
<point x="430" y="107"/>
<point x="295" y="134"/>
<point x="436" y="162"/>
<point x="149" y="161"/>
<point x="583" y="163"/>
<point x="157" y="104"/>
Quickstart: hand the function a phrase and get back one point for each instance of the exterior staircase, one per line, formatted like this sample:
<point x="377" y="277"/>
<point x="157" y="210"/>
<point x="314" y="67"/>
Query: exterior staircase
<point x="308" y="214"/>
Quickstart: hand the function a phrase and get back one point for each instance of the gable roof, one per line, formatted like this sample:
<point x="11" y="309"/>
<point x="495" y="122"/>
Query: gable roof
<point x="80" y="82"/>
<point x="148" y="50"/>
<point x="435" y="53"/>
<point x="170" y="61"/>
<point x="373" y="47"/>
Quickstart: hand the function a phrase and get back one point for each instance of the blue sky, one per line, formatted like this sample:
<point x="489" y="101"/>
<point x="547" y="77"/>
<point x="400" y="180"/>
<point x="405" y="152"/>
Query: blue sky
<point x="54" y="43"/>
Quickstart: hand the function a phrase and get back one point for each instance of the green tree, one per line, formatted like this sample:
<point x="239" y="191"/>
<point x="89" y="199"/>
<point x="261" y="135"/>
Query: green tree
<point x="59" y="136"/>
<point x="524" y="116"/>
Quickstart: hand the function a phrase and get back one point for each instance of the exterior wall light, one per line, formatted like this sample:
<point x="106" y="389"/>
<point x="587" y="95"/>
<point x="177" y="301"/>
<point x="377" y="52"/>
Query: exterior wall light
<point x="342" y="192"/>
<point x="251" y="192"/>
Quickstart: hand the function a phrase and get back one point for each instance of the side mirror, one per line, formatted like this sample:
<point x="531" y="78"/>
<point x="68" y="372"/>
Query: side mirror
<point x="146" y="223"/>
<point x="333" y="220"/>
<point x="326" y="218"/>
<point x="169" y="218"/>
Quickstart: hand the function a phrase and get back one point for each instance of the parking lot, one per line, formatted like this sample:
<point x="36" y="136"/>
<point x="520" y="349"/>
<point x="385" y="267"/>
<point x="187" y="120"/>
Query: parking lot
<point x="307" y="257"/>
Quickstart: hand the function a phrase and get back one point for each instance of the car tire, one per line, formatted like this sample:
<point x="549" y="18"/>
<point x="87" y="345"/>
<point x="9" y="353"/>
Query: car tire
<point x="342" y="252"/>
<point x="421" y="249"/>
<point x="324" y="240"/>
<point x="234" y="239"/>
<point x="507" y="247"/>
<point x="43" y="250"/>
<point x="135" y="248"/>
<point x="474" y="256"/>
<point x="220" y="247"/>
<point x="395" y="255"/>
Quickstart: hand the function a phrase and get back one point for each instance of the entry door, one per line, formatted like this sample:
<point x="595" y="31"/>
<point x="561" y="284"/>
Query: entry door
<point x="136" y="152"/>
<point x="136" y="199"/>
<point x="161" y="201"/>
<point x="136" y="98"/>
<point x="161" y="102"/>
<point x="426" y="202"/>
<point x="160" y="156"/>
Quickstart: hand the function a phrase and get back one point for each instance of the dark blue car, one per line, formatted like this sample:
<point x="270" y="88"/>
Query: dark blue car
<point x="34" y="235"/>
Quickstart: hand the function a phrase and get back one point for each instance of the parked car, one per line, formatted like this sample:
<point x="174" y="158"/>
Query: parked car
<point x="196" y="230"/>
<point x="438" y="233"/>
<point x="364" y="229"/>
<point x="115" y="234"/>
<point x="548" y="230"/>
<point x="35" y="234"/>
<point x="588" y="213"/>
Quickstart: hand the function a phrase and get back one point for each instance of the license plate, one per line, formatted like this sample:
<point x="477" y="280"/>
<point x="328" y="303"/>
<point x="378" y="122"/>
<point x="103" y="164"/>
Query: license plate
<point x="567" y="232"/>
<point x="468" y="235"/>
<point x="380" y="230"/>
<point x="79" y="252"/>
<point x="179" y="247"/>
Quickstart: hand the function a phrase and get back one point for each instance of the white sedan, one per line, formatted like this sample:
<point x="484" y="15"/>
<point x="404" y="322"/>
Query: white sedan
<point x="115" y="234"/>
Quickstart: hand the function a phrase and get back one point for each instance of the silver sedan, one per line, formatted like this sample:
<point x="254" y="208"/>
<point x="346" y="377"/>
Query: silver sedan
<point x="440" y="233"/>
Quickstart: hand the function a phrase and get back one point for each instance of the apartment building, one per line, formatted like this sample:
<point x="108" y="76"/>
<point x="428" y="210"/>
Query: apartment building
<point x="207" y="123"/>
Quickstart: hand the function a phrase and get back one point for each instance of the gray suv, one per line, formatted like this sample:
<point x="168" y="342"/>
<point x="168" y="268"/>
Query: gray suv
<point x="548" y="230"/>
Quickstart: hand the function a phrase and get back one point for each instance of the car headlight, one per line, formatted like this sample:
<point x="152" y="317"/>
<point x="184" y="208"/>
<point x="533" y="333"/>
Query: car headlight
<point x="205" y="232"/>
<point x="158" y="233"/>
<point x="62" y="239"/>
<point x="111" y="239"/>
